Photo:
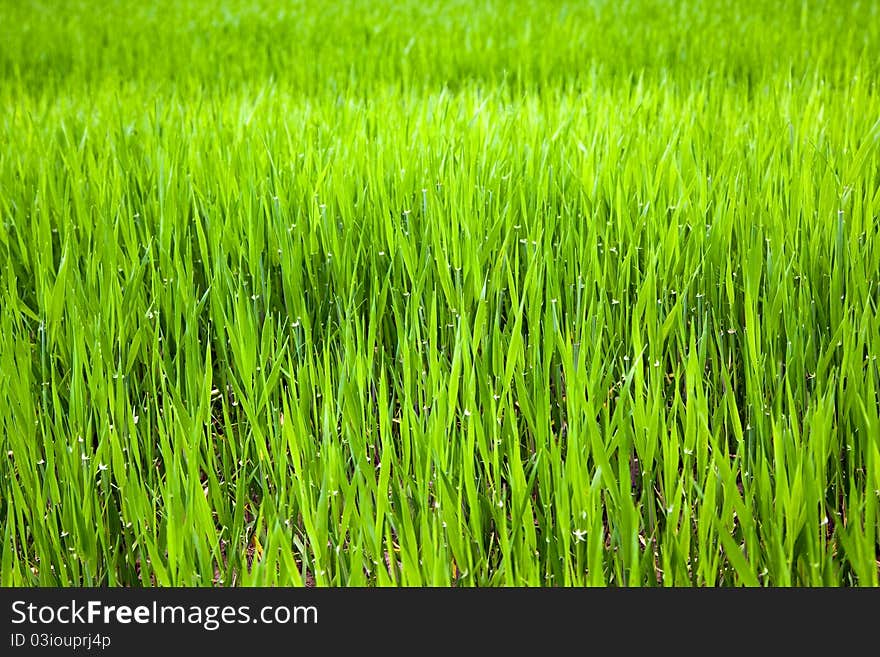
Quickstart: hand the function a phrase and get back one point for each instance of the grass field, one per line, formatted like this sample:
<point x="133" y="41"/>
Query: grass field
<point x="419" y="293"/>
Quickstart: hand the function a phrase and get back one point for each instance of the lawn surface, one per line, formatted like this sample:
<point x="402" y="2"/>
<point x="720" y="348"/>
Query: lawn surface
<point x="401" y="293"/>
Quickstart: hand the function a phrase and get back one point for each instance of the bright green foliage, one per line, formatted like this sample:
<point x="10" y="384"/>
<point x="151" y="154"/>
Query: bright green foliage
<point x="416" y="293"/>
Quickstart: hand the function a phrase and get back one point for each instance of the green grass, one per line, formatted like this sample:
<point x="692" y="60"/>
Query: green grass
<point x="410" y="293"/>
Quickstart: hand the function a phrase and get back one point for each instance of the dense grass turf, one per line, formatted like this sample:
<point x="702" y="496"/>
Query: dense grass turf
<point x="439" y="293"/>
